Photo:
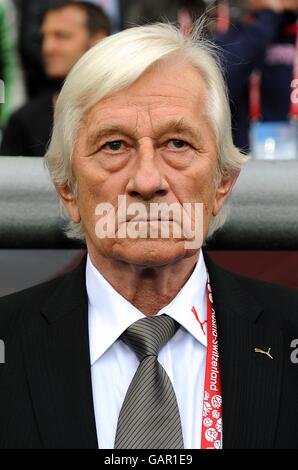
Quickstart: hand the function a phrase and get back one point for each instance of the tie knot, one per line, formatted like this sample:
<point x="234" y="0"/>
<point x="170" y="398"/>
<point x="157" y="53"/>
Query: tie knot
<point x="147" y="336"/>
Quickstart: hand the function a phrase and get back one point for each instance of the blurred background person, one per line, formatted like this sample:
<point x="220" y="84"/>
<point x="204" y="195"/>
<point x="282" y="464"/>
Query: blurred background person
<point x="68" y="31"/>
<point x="265" y="41"/>
<point x="30" y="15"/>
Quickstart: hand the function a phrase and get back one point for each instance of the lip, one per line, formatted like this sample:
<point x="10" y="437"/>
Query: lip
<point x="149" y="220"/>
<point x="52" y="59"/>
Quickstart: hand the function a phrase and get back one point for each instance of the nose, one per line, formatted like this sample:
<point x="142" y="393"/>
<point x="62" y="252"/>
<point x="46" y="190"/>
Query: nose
<point x="48" y="45"/>
<point x="147" y="181"/>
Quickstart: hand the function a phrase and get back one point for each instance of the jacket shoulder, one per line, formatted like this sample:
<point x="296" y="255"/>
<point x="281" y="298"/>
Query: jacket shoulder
<point x="27" y="301"/>
<point x="279" y="303"/>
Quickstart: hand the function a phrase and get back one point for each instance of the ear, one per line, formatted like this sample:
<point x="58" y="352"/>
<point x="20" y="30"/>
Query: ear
<point x="69" y="202"/>
<point x="223" y="190"/>
<point x="97" y="37"/>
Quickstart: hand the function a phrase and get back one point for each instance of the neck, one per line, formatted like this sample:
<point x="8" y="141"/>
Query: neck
<point x="149" y="289"/>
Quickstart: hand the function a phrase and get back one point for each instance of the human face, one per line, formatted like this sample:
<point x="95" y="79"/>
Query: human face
<point x="151" y="142"/>
<point x="64" y="40"/>
<point x="290" y="5"/>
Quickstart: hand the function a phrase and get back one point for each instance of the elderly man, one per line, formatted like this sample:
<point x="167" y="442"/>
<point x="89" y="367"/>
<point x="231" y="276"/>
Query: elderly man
<point x="147" y="344"/>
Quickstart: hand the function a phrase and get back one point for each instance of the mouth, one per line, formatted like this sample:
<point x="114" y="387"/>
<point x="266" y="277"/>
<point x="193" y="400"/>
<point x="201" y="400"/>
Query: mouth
<point x="50" y="60"/>
<point x="132" y="219"/>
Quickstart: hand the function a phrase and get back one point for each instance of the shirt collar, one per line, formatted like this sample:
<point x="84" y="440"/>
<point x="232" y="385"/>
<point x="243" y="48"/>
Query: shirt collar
<point x="110" y="314"/>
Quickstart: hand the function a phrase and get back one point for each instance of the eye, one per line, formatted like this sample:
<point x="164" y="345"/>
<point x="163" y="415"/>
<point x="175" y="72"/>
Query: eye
<point x="177" y="144"/>
<point x="114" y="146"/>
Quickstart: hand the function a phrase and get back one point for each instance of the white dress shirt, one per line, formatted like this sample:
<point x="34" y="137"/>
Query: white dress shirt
<point x="113" y="363"/>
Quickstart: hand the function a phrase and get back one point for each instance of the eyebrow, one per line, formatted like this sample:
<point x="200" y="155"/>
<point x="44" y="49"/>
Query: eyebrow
<point x="173" y="126"/>
<point x="105" y="131"/>
<point x="179" y="127"/>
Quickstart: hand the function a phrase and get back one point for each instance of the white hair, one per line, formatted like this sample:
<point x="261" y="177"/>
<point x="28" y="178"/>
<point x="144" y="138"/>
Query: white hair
<point x="117" y="62"/>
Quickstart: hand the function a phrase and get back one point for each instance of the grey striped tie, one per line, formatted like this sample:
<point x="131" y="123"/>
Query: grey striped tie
<point x="149" y="417"/>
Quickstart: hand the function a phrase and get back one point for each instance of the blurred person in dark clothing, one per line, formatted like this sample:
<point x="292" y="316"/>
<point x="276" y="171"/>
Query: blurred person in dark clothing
<point x="68" y="31"/>
<point x="123" y="13"/>
<point x="30" y="15"/>
<point x="264" y="41"/>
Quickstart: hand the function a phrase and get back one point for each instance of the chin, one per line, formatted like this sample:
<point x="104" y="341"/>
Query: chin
<point x="151" y="252"/>
<point x="56" y="74"/>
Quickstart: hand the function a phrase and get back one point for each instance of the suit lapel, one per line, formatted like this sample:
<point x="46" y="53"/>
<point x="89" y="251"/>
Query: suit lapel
<point x="251" y="382"/>
<point x="58" y="367"/>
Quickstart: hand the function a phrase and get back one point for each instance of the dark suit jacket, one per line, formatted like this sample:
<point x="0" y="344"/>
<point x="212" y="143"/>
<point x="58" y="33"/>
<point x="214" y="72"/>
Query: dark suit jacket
<point x="45" y="385"/>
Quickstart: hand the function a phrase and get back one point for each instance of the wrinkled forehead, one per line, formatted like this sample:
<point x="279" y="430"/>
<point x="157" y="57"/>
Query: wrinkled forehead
<point x="170" y="86"/>
<point x="64" y="19"/>
<point x="159" y="103"/>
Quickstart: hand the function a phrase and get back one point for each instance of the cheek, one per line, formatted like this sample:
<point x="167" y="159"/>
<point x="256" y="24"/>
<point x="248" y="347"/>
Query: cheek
<point x="206" y="193"/>
<point x="89" y="177"/>
<point x="198" y="187"/>
<point x="89" y="194"/>
<point x="86" y="204"/>
<point x="97" y="187"/>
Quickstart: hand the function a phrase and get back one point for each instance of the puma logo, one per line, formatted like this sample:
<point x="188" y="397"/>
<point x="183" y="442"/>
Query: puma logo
<point x="197" y="318"/>
<point x="267" y="353"/>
